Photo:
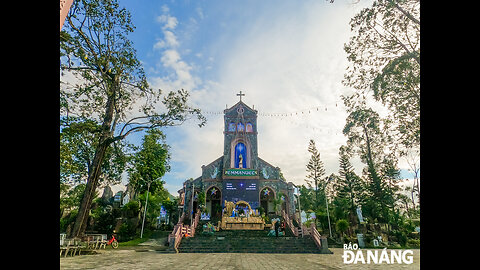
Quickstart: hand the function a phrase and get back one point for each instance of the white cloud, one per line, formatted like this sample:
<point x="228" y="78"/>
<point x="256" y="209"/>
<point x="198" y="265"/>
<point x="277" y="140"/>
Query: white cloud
<point x="285" y="60"/>
<point x="283" y="66"/>
<point x="171" y="39"/>
<point x="160" y="44"/>
<point x="179" y="71"/>
<point x="200" y="14"/>
<point x="165" y="9"/>
<point x="168" y="21"/>
<point x="293" y="63"/>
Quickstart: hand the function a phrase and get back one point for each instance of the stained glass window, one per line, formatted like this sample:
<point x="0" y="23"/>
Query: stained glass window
<point x="231" y="126"/>
<point x="249" y="127"/>
<point x="240" y="127"/>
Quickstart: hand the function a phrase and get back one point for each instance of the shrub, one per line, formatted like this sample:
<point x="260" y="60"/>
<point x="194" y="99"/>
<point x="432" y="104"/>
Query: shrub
<point x="131" y="209"/>
<point x="342" y="225"/>
<point x="401" y="237"/>
<point x="67" y="220"/>
<point x="126" y="232"/>
<point x="415" y="243"/>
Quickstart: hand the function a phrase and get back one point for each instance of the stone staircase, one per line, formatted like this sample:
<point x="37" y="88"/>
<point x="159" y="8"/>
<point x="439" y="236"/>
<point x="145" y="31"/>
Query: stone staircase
<point x="247" y="242"/>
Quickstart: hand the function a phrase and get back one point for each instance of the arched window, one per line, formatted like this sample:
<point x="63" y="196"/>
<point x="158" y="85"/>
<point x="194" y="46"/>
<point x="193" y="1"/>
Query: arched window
<point x="249" y="127"/>
<point x="240" y="155"/>
<point x="231" y="126"/>
<point x="240" y="127"/>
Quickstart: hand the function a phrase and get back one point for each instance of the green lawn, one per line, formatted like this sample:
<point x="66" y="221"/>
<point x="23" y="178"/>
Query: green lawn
<point x="147" y="235"/>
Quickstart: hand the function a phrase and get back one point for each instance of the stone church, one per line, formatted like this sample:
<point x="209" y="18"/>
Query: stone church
<point x="239" y="174"/>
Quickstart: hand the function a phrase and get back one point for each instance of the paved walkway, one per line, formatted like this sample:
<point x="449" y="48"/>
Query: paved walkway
<point x="150" y="259"/>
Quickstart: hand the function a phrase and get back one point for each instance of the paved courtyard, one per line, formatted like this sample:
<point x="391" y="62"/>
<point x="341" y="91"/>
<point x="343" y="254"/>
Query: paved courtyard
<point x="150" y="259"/>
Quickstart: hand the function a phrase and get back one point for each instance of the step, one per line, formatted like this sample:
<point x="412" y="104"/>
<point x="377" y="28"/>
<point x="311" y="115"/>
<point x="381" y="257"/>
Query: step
<point x="247" y="242"/>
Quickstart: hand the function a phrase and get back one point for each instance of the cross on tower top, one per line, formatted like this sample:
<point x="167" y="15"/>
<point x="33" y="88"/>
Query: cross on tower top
<point x="240" y="95"/>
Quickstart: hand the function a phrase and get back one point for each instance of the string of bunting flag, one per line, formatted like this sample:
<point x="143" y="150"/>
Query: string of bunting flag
<point x="294" y="118"/>
<point x="301" y="112"/>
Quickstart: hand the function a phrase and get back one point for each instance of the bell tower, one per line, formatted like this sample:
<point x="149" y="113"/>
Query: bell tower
<point x="240" y="137"/>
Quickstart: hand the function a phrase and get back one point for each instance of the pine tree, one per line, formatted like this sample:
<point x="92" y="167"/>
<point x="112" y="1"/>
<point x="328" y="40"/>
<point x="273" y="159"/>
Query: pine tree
<point x="349" y="185"/>
<point x="315" y="169"/>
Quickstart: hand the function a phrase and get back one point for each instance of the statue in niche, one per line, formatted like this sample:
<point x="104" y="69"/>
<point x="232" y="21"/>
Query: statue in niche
<point x="240" y="161"/>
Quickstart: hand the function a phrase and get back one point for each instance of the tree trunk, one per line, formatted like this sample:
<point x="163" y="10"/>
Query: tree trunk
<point x="92" y="181"/>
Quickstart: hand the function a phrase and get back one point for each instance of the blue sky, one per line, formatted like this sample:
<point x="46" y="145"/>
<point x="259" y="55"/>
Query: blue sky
<point x="286" y="56"/>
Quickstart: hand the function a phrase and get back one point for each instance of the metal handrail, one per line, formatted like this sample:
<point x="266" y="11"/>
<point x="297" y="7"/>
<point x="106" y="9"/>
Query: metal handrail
<point x="180" y="229"/>
<point x="315" y="235"/>
<point x="289" y="222"/>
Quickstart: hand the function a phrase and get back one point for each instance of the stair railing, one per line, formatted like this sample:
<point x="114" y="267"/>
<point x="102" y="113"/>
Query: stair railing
<point x="289" y="222"/>
<point x="195" y="223"/>
<point x="175" y="237"/>
<point x="305" y="230"/>
<point x="315" y="235"/>
<point x="179" y="230"/>
<point x="299" y="230"/>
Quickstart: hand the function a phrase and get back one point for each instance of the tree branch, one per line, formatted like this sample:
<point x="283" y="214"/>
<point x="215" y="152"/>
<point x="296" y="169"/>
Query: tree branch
<point x="407" y="14"/>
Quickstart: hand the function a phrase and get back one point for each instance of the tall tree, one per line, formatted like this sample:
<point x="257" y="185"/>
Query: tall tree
<point x="384" y="52"/>
<point x="307" y="198"/>
<point x="349" y="185"/>
<point x="109" y="80"/>
<point x="150" y="163"/>
<point x="315" y="169"/>
<point x="365" y="137"/>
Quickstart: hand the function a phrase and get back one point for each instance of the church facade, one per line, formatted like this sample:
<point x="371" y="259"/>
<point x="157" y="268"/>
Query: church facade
<point x="239" y="174"/>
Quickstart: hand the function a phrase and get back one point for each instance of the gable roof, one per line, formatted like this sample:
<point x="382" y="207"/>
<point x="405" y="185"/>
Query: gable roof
<point x="234" y="108"/>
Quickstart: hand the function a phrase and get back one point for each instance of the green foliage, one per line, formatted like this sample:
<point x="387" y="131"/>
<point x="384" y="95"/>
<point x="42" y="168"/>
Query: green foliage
<point x="266" y="218"/>
<point x="342" y="225"/>
<point x="261" y="211"/>
<point x="68" y="220"/>
<point x="153" y="208"/>
<point x="105" y="79"/>
<point x="171" y="207"/>
<point x="365" y="138"/>
<point x="78" y="141"/>
<point x="315" y="170"/>
<point x="201" y="198"/>
<point x="70" y="196"/>
<point x="131" y="209"/>
<point x="106" y="219"/>
<point x="384" y="56"/>
<point x="150" y="163"/>
<point x="127" y="231"/>
<point x="349" y="187"/>
<point x="413" y="243"/>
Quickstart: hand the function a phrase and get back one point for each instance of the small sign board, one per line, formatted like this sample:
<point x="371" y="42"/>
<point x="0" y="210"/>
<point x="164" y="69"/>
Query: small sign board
<point x="241" y="173"/>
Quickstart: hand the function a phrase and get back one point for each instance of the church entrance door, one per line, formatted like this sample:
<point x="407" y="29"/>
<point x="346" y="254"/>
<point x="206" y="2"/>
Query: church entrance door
<point x="266" y="200"/>
<point x="214" y="203"/>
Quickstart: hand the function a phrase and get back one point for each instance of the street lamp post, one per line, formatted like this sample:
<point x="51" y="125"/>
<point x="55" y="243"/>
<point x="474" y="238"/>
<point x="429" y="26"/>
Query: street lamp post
<point x="326" y="202"/>
<point x="299" y="209"/>
<point x="191" y="212"/>
<point x="145" y="211"/>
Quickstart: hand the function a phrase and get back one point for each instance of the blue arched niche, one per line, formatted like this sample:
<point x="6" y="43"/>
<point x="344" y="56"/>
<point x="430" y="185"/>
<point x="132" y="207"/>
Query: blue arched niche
<point x="240" y="148"/>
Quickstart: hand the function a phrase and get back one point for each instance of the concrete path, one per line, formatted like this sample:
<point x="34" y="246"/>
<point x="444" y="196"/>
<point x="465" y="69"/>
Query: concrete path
<point x="150" y="259"/>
